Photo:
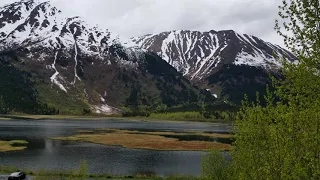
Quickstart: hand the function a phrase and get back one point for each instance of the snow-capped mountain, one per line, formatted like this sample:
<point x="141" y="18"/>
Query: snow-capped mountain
<point x="200" y="54"/>
<point x="35" y="21"/>
<point x="77" y="58"/>
<point x="44" y="30"/>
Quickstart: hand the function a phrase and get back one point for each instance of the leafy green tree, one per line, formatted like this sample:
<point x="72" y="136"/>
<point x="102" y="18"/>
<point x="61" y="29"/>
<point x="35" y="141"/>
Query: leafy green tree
<point x="2" y="106"/>
<point x="300" y="19"/>
<point x="161" y="108"/>
<point x="215" y="166"/>
<point x="82" y="172"/>
<point x="282" y="139"/>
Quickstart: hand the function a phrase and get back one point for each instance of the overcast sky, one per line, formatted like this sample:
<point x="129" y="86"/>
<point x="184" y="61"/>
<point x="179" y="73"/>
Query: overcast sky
<point x="130" y="18"/>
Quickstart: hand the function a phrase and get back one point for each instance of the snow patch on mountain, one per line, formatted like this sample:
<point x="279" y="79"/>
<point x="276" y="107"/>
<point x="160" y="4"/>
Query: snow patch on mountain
<point x="41" y="28"/>
<point x="103" y="109"/>
<point x="196" y="54"/>
<point x="41" y="22"/>
<point x="54" y="77"/>
<point x="76" y="63"/>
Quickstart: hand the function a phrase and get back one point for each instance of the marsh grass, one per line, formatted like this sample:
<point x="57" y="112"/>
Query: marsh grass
<point x="169" y="117"/>
<point x="183" y="133"/>
<point x="18" y="143"/>
<point x="149" y="140"/>
<point x="85" y="131"/>
<point x="15" y="145"/>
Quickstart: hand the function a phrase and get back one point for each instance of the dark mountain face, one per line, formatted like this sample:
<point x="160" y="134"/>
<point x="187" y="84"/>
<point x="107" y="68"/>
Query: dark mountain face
<point x="70" y="65"/>
<point x="227" y="63"/>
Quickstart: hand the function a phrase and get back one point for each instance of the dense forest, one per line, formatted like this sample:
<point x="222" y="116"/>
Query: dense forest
<point x="236" y="81"/>
<point x="17" y="92"/>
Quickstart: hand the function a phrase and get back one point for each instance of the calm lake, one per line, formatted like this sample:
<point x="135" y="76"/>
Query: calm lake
<point x="52" y="154"/>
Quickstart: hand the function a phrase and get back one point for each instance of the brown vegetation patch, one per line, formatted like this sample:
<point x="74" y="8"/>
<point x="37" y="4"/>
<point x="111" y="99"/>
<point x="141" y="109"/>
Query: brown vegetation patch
<point x="85" y="131"/>
<point x="146" y="140"/>
<point x="214" y="135"/>
<point x="16" y="145"/>
<point x="185" y="133"/>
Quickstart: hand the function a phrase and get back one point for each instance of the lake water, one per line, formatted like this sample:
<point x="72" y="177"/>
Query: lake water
<point x="52" y="154"/>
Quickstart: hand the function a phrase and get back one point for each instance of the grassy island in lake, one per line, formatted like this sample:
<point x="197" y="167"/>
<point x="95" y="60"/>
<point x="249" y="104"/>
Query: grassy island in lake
<point x="194" y="141"/>
<point x="15" y="145"/>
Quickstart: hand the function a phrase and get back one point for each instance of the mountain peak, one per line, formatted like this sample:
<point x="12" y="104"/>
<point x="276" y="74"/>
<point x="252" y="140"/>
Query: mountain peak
<point x="199" y="54"/>
<point x="27" y="22"/>
<point x="72" y="64"/>
<point x="45" y="32"/>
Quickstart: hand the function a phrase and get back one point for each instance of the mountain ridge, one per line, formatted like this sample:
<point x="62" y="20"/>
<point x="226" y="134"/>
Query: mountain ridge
<point x="226" y="63"/>
<point x="196" y="54"/>
<point x="74" y="65"/>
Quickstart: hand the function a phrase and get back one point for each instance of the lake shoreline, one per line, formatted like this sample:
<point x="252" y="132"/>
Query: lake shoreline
<point x="62" y="174"/>
<point x="115" y="160"/>
<point x="113" y="117"/>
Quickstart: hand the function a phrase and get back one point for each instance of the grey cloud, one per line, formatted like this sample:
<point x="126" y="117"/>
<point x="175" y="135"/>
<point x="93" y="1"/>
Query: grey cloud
<point x="139" y="17"/>
<point x="4" y="2"/>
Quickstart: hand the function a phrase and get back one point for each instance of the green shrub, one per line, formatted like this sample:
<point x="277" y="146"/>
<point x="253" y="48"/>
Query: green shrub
<point x="215" y="166"/>
<point x="177" y="116"/>
<point x="81" y="173"/>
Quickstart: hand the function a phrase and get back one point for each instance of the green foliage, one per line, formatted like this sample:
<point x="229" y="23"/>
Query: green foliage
<point x="282" y="139"/>
<point x="143" y="111"/>
<point x="76" y="174"/>
<point x="17" y="92"/>
<point x="18" y="143"/>
<point x="86" y="111"/>
<point x="300" y="22"/>
<point x="177" y="116"/>
<point x="236" y="81"/>
<point x="43" y="174"/>
<point x="3" y="107"/>
<point x="179" y="177"/>
<point x="158" y="85"/>
<point x="279" y="141"/>
<point x="192" y="112"/>
<point x="8" y="169"/>
<point x="161" y="108"/>
<point x="215" y="166"/>
<point x="81" y="173"/>
<point x="72" y="103"/>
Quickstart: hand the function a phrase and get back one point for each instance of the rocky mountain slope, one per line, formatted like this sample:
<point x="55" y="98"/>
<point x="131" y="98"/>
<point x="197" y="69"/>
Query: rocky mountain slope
<point x="70" y="65"/>
<point x="204" y="56"/>
<point x="197" y="54"/>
